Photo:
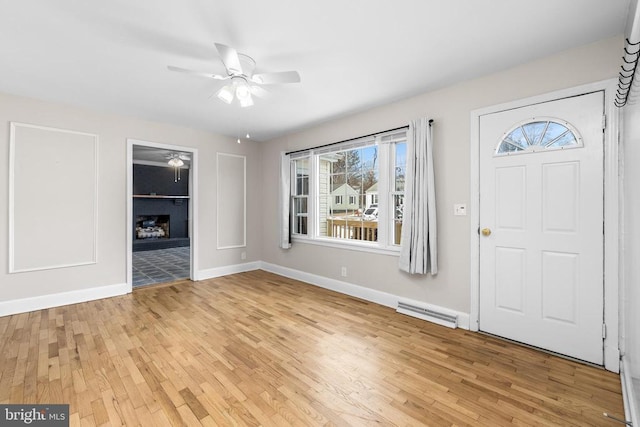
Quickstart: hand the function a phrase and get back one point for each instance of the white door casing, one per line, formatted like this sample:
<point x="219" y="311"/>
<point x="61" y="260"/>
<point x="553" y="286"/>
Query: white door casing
<point x="541" y="268"/>
<point x="194" y="273"/>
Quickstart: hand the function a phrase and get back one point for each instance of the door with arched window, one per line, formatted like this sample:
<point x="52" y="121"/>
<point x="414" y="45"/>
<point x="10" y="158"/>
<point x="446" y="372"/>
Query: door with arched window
<point x="541" y="225"/>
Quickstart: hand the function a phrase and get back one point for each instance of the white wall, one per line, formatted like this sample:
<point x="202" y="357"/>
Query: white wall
<point x="631" y="275"/>
<point x="113" y="132"/>
<point x="450" y="108"/>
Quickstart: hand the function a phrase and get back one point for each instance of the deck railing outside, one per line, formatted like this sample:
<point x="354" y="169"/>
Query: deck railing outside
<point x="358" y="229"/>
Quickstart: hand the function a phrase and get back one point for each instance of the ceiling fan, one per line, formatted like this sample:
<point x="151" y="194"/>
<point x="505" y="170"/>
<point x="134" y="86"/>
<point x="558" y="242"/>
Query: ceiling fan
<point x="176" y="160"/>
<point x="243" y="83"/>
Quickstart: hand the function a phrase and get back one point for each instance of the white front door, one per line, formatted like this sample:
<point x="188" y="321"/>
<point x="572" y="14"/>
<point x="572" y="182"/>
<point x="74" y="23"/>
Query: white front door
<point x="541" y="225"/>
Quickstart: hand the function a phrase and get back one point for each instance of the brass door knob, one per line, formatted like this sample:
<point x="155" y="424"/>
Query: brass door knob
<point x="486" y="231"/>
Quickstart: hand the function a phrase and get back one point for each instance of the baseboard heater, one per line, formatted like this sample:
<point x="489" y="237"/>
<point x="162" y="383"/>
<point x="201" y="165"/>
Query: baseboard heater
<point x="444" y="319"/>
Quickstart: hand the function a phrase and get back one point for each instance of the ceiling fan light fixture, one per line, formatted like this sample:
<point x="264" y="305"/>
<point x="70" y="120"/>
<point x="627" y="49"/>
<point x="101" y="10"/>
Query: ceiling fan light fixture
<point x="240" y="77"/>
<point x="242" y="90"/>
<point x="175" y="162"/>
<point x="246" y="102"/>
<point x="226" y="94"/>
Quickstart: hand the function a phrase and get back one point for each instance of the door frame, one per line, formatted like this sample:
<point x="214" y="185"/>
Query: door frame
<point x="612" y="187"/>
<point x="193" y="204"/>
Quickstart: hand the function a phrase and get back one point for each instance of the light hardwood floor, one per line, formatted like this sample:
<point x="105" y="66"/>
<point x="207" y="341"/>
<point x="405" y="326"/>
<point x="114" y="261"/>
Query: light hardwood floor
<point x="259" y="349"/>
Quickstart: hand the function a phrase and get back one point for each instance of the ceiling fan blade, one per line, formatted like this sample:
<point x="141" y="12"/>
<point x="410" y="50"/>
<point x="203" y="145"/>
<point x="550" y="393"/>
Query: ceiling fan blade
<point x="259" y="92"/>
<point x="229" y="58"/>
<point x="276" y="78"/>
<point x="197" y="73"/>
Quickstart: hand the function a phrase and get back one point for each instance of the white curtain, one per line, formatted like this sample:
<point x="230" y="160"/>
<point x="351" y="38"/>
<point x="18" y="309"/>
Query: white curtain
<point x="418" y="253"/>
<point x="285" y="197"/>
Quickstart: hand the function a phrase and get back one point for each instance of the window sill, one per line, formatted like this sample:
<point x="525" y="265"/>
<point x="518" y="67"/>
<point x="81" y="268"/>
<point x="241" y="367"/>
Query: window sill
<point x="348" y="245"/>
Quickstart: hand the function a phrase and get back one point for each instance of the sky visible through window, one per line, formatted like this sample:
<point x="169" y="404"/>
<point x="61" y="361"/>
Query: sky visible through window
<point x="369" y="158"/>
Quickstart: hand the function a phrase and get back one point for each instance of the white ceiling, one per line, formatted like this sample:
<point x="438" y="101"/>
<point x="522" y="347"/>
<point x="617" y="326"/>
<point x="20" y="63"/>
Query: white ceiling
<point x="351" y="54"/>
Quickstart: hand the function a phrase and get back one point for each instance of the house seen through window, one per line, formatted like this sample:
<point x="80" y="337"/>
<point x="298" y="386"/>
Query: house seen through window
<point x="351" y="193"/>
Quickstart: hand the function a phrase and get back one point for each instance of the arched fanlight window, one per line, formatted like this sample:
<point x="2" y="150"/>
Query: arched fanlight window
<point x="538" y="134"/>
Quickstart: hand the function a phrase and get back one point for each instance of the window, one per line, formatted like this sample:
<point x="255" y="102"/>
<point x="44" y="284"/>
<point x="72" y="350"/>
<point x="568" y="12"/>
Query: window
<point x="354" y="192"/>
<point x="300" y="195"/>
<point x="397" y="191"/>
<point x="538" y="135"/>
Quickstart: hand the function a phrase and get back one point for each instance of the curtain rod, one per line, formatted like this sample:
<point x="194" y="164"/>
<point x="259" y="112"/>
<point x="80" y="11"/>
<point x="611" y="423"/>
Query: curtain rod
<point x="351" y="139"/>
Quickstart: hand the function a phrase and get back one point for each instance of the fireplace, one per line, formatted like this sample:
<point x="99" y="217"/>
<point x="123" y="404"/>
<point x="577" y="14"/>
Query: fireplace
<point x="152" y="227"/>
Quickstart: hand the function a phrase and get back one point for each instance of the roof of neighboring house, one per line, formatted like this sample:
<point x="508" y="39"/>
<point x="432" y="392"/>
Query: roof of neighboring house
<point x="345" y="188"/>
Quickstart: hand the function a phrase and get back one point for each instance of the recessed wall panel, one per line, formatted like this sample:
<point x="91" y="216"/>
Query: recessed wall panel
<point x="231" y="203"/>
<point x="53" y="198"/>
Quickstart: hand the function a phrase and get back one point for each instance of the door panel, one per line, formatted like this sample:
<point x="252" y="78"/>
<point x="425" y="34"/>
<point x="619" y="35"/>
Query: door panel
<point x="560" y="200"/>
<point x="510" y="198"/>
<point x="541" y="197"/>
<point x="510" y="279"/>
<point x="560" y="286"/>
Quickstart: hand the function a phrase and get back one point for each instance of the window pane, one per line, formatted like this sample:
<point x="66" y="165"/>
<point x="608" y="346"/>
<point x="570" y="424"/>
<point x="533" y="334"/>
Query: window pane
<point x="400" y="166"/>
<point x="300" y="213"/>
<point x="302" y="177"/>
<point x="300" y="205"/>
<point x="508" y="146"/>
<point x="553" y="132"/>
<point x="564" y="140"/>
<point x="300" y="225"/>
<point x="398" y="191"/>
<point x="534" y="132"/>
<point x="351" y="178"/>
<point x="517" y="139"/>
<point x="536" y="136"/>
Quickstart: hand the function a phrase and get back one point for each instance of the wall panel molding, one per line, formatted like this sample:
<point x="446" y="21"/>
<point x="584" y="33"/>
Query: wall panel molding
<point x="231" y="201"/>
<point x="53" y="198"/>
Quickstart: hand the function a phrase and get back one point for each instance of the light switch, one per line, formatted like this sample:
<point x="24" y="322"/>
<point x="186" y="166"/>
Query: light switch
<point x="460" y="209"/>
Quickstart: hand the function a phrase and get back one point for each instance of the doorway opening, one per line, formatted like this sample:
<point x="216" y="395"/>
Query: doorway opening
<point x="161" y="206"/>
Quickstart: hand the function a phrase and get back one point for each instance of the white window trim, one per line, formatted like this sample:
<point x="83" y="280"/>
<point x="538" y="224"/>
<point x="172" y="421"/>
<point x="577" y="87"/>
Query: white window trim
<point x="358" y="245"/>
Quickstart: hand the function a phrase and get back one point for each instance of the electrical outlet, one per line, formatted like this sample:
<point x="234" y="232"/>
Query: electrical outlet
<point x="243" y="255"/>
<point x="343" y="271"/>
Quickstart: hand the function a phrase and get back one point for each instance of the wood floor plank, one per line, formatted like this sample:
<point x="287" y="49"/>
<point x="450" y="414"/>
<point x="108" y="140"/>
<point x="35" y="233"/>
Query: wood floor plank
<point x="257" y="349"/>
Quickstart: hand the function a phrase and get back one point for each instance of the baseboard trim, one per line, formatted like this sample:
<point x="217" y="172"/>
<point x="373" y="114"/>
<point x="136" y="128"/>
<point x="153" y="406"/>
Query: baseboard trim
<point x="212" y="273"/>
<point x="630" y="399"/>
<point x="41" y="302"/>
<point x="371" y="295"/>
<point x="73" y="297"/>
